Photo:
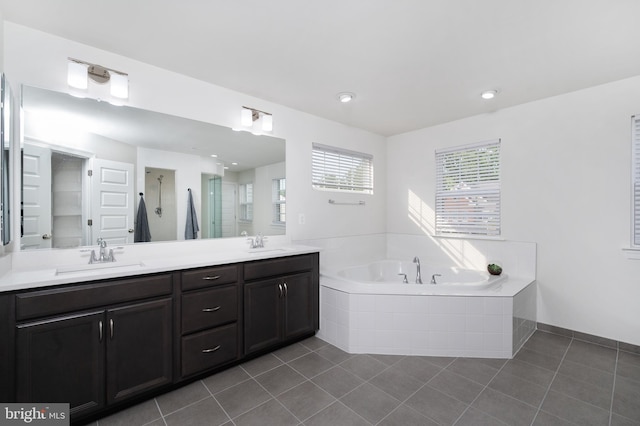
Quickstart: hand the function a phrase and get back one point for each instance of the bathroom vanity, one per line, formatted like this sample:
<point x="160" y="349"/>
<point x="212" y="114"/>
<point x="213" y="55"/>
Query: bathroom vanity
<point x="101" y="344"/>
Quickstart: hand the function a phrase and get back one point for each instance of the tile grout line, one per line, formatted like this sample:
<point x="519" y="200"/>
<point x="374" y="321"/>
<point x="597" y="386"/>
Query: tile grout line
<point x="613" y="388"/>
<point x="555" y="373"/>
<point x="218" y="402"/>
<point x="160" y="411"/>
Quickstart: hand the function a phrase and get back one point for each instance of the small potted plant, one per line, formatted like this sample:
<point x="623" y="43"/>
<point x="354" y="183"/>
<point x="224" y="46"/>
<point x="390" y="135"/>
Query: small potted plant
<point x="494" y="269"/>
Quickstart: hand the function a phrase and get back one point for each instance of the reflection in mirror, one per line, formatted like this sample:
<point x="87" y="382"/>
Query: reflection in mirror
<point x="86" y="161"/>
<point x="6" y="134"/>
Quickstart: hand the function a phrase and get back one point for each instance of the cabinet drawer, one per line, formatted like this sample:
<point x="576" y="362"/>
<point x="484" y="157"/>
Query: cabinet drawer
<point x="206" y="277"/>
<point x="209" y="308"/>
<point x="279" y="266"/>
<point x="84" y="296"/>
<point x="207" y="349"/>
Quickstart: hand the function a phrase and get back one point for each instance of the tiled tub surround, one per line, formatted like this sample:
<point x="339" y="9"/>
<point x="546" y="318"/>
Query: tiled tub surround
<point x="492" y="323"/>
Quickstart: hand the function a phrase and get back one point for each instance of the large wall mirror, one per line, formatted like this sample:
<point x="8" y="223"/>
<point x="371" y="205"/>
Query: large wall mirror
<point x="91" y="169"/>
<point x="6" y="136"/>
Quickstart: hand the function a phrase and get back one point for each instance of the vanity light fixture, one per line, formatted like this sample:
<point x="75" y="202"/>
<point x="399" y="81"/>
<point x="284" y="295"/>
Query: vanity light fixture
<point x="251" y="116"/>
<point x="79" y="72"/>
<point x="346" y="97"/>
<point x="489" y="94"/>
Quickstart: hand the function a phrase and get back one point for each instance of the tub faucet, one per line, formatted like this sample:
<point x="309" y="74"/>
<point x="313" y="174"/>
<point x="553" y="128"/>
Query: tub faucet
<point x="418" y="276"/>
<point x="433" y="278"/>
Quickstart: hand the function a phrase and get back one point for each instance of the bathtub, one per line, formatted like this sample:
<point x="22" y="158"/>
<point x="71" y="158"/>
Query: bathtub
<point x="468" y="313"/>
<point x="387" y="277"/>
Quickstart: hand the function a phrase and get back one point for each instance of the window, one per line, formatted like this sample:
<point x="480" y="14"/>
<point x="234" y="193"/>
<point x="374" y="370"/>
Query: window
<point x="246" y="201"/>
<point x="635" y="184"/>
<point x="337" y="169"/>
<point x="279" y="201"/>
<point x="468" y="190"/>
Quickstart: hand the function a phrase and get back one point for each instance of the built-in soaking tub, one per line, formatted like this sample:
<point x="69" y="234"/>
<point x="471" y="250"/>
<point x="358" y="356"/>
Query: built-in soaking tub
<point x="369" y="309"/>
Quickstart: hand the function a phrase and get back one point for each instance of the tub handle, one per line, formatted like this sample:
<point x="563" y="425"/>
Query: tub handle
<point x="404" y="280"/>
<point x="433" y="278"/>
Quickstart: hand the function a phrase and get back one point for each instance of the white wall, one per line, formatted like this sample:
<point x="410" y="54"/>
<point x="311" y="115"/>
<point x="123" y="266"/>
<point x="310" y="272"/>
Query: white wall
<point x="565" y="186"/>
<point x="39" y="59"/>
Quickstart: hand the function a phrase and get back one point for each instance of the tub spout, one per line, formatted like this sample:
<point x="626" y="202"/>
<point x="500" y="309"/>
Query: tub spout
<point x="418" y="276"/>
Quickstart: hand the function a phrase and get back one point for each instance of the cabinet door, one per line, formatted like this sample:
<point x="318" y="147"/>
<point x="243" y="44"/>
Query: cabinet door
<point x="62" y="360"/>
<point x="262" y="314"/>
<point x="298" y="313"/>
<point x="139" y="348"/>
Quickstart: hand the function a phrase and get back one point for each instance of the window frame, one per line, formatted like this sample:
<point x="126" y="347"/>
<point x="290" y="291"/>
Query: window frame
<point x="468" y="195"/>
<point x="635" y="181"/>
<point x="245" y="206"/>
<point x="278" y="202"/>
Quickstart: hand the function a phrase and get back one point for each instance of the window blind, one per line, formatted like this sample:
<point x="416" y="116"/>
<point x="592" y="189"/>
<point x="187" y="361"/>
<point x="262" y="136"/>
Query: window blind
<point x="468" y="190"/>
<point x="635" y="184"/>
<point x="246" y="201"/>
<point x="339" y="169"/>
<point x="279" y="197"/>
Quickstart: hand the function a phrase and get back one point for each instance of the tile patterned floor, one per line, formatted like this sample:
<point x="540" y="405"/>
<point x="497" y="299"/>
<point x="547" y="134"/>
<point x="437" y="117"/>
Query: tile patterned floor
<point x="553" y="380"/>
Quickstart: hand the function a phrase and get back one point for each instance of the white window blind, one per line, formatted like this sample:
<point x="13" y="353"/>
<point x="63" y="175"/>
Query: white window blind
<point x="468" y="190"/>
<point x="338" y="169"/>
<point x="246" y="201"/>
<point x="279" y="196"/>
<point x="635" y="184"/>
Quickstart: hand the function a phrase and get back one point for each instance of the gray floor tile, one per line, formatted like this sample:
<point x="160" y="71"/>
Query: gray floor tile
<point x="626" y="399"/>
<point x="417" y="367"/>
<point x="600" y="397"/>
<point x="336" y="414"/>
<point x="396" y="383"/>
<point x="592" y="355"/>
<point x="206" y="411"/>
<point x="291" y="352"/>
<point x="629" y="371"/>
<point x="505" y="408"/>
<point x="305" y="400"/>
<point x="370" y="402"/>
<point x="436" y="405"/>
<point x="387" y="359"/>
<point x="260" y="365"/>
<point x="546" y="419"/>
<point x="538" y="359"/>
<point x="271" y="413"/>
<point x="159" y="422"/>
<point x="225" y="379"/>
<point x="518" y="388"/>
<point x="574" y="410"/>
<point x="406" y="416"/>
<point x="333" y="354"/>
<point x="180" y="398"/>
<point x="140" y="414"/>
<point x="547" y="343"/>
<point x="440" y="361"/>
<point x="617" y="420"/>
<point x="337" y="381"/>
<point x="242" y="397"/>
<point x="629" y="358"/>
<point x="473" y="417"/>
<point x="473" y="369"/>
<point x="363" y="366"/>
<point x="311" y="365"/>
<point x="529" y="372"/>
<point x="456" y="386"/>
<point x="280" y="379"/>
<point x="586" y="374"/>
<point x="314" y="343"/>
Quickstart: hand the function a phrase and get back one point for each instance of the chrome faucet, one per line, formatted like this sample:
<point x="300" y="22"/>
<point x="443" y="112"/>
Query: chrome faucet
<point x="433" y="278"/>
<point x="257" y="242"/>
<point x="418" y="276"/>
<point x="103" y="256"/>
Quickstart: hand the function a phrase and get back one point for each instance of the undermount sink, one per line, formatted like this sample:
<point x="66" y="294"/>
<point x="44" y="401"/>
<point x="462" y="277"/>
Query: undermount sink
<point x="97" y="266"/>
<point x="267" y="250"/>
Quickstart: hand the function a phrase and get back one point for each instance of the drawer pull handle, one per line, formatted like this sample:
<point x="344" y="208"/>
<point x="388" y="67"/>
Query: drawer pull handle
<point x="211" y="278"/>
<point x="111" y="328"/>
<point x="286" y="289"/>
<point x="211" y="309"/>
<point x="208" y="351"/>
<point x="100" y="330"/>
<point x="280" y="288"/>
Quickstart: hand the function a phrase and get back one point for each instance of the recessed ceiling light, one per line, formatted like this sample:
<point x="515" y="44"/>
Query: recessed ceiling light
<point x="345" y="97"/>
<point x="234" y="164"/>
<point x="214" y="155"/>
<point x="489" y="94"/>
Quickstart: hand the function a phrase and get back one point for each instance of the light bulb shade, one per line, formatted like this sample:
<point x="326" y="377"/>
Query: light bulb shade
<point x="246" y="119"/>
<point x="267" y="122"/>
<point x="119" y="85"/>
<point x="77" y="75"/>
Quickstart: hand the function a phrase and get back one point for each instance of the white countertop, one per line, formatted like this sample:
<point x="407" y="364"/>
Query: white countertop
<point x="22" y="279"/>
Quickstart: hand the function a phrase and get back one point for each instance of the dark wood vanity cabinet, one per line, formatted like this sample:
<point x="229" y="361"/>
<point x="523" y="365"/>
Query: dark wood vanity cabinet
<point x="97" y="356"/>
<point x="210" y="303"/>
<point x="280" y="301"/>
<point x="111" y="343"/>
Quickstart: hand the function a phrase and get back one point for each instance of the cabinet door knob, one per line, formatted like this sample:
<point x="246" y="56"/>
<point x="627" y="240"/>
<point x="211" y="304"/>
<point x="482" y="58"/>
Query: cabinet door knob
<point x="131" y="230"/>
<point x="208" y="351"/>
<point x="211" y="309"/>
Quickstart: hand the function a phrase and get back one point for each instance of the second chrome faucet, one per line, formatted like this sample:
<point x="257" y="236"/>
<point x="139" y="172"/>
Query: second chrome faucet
<point x="418" y="275"/>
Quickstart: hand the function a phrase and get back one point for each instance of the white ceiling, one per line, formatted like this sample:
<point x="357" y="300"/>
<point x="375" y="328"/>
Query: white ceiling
<point x="412" y="63"/>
